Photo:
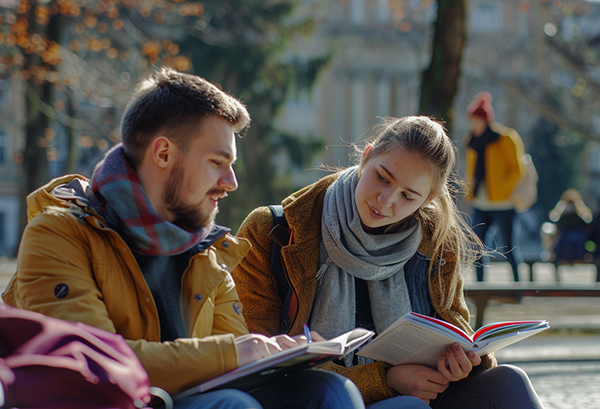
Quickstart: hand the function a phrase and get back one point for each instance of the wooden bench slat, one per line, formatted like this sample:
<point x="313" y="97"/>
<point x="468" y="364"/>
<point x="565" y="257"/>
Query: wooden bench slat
<point x="482" y="292"/>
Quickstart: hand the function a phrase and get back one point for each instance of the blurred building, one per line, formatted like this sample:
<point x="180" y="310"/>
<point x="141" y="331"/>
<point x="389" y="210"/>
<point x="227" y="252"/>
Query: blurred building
<point x="379" y="49"/>
<point x="11" y="131"/>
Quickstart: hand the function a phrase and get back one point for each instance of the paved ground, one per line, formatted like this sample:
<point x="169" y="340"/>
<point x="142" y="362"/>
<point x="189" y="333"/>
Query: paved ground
<point x="563" y="363"/>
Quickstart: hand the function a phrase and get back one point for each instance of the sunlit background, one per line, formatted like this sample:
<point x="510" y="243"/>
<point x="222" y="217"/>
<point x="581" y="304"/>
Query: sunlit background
<point x="315" y="74"/>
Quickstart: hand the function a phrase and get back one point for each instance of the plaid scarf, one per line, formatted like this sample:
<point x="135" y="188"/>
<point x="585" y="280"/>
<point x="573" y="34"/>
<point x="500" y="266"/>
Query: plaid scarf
<point x="126" y="208"/>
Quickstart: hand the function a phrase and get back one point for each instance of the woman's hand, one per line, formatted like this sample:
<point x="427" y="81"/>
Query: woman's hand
<point x="455" y="364"/>
<point x="418" y="381"/>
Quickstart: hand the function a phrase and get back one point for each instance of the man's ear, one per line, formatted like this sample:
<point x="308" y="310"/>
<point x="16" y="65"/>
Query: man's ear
<point x="162" y="151"/>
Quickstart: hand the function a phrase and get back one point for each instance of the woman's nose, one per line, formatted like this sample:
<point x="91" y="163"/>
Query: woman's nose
<point x="385" y="198"/>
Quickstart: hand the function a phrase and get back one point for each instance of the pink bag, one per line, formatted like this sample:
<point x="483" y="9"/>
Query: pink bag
<point x="49" y="363"/>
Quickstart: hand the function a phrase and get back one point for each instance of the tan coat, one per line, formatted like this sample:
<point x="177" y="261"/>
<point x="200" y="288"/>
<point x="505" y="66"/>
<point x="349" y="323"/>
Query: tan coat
<point x="68" y="244"/>
<point x="257" y="287"/>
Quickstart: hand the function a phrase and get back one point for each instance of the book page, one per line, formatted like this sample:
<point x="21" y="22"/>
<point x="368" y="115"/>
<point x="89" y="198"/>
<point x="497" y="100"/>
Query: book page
<point x="415" y="339"/>
<point x="507" y="339"/>
<point x="501" y="328"/>
<point x="408" y="343"/>
<point x="353" y="339"/>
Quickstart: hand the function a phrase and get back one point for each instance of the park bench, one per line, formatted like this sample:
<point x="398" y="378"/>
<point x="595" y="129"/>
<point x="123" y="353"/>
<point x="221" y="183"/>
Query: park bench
<point x="480" y="293"/>
<point x="532" y="259"/>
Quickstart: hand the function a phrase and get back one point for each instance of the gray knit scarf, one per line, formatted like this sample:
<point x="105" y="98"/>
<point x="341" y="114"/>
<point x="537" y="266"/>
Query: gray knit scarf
<point x="347" y="251"/>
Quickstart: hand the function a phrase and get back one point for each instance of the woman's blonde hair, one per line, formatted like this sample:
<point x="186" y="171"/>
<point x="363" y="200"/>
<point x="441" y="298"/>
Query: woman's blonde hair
<point x="440" y="216"/>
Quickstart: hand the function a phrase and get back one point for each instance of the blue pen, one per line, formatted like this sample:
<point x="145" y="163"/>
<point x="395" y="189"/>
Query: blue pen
<point x="307" y="334"/>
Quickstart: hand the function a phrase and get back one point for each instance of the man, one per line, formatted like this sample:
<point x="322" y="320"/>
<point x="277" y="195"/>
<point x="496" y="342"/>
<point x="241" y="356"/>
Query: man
<point x="136" y="251"/>
<point x="494" y="168"/>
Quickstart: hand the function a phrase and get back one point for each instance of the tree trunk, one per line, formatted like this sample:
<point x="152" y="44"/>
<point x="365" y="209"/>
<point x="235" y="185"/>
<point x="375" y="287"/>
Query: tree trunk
<point x="38" y="101"/>
<point x="439" y="82"/>
<point x="71" y="156"/>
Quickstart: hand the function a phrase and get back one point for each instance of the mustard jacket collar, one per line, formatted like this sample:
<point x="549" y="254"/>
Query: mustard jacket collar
<point x="74" y="192"/>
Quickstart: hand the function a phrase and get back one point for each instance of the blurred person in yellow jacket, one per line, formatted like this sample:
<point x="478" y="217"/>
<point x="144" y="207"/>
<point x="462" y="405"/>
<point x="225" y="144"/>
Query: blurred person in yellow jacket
<point x="135" y="251"/>
<point x="493" y="170"/>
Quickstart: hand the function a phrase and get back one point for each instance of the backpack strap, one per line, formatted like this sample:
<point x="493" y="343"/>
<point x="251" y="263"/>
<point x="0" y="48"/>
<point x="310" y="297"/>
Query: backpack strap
<point x="280" y="235"/>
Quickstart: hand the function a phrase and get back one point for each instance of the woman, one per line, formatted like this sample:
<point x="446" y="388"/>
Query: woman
<point x="368" y="245"/>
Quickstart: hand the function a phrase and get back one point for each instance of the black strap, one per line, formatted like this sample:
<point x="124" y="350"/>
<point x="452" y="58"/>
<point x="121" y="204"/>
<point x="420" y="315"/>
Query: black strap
<point x="281" y="236"/>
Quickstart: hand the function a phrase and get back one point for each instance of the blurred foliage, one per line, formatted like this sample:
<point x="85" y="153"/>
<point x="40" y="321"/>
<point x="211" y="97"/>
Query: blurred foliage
<point x="558" y="159"/>
<point x="68" y="53"/>
<point x="78" y="59"/>
<point x="300" y="150"/>
<point x="567" y="96"/>
<point x="241" y="46"/>
<point x="568" y="69"/>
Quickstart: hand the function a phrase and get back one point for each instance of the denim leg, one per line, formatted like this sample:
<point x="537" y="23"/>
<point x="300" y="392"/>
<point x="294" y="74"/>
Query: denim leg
<point x="311" y="389"/>
<point x="481" y="223"/>
<point x="399" y="402"/>
<point x="502" y="387"/>
<point x="506" y="223"/>
<point x="223" y="399"/>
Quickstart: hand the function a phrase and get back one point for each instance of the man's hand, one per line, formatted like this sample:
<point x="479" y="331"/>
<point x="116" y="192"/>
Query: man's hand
<point x="285" y="341"/>
<point x="417" y="380"/>
<point x="455" y="364"/>
<point x="252" y="347"/>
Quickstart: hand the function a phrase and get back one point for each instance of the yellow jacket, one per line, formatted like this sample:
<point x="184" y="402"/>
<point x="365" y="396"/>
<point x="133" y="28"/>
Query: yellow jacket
<point x="67" y="243"/>
<point x="258" y="287"/>
<point x="503" y="165"/>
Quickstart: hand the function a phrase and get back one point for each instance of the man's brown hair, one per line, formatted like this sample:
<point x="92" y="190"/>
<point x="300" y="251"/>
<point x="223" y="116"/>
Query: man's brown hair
<point x="173" y="104"/>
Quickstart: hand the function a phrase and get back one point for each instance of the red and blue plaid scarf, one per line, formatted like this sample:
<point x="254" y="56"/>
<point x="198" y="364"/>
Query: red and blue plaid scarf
<point x="124" y="203"/>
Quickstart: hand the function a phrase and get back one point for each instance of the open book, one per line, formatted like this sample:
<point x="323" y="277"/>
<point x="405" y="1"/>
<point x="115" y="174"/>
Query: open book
<point x="263" y="371"/>
<point x="419" y="339"/>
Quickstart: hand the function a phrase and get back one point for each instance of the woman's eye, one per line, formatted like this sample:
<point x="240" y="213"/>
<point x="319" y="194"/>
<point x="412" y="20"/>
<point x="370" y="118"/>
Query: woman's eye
<point x="407" y="197"/>
<point x="381" y="178"/>
<point x="216" y="163"/>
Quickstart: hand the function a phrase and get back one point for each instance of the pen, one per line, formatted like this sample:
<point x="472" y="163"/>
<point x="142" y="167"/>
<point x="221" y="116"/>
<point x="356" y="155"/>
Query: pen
<point x="307" y="334"/>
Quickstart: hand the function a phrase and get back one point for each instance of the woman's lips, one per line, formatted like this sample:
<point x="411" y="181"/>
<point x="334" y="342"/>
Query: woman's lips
<point x="375" y="214"/>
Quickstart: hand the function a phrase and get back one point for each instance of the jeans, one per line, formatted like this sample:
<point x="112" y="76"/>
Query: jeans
<point x="399" y="402"/>
<point x="309" y="389"/>
<point x="502" y="387"/>
<point x="223" y="399"/>
<point x="504" y="219"/>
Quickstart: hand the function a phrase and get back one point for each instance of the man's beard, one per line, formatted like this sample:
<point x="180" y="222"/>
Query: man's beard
<point x="187" y="215"/>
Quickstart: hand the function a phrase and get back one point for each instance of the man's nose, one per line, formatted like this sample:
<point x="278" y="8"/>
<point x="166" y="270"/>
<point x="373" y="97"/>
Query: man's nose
<point x="228" y="180"/>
